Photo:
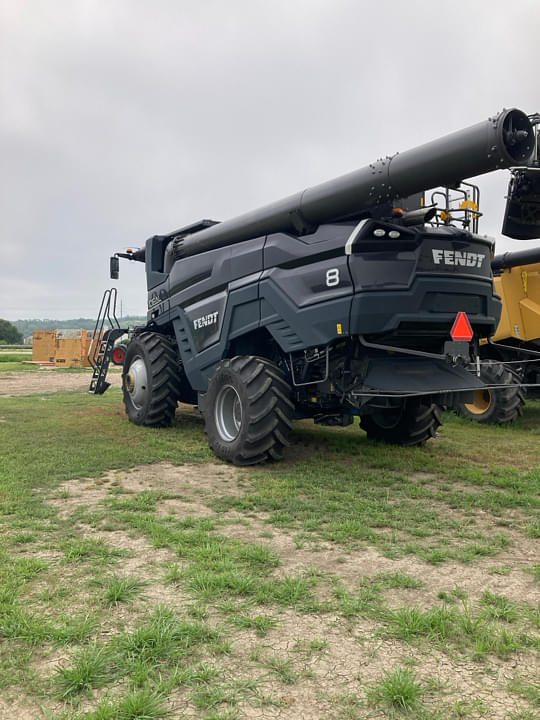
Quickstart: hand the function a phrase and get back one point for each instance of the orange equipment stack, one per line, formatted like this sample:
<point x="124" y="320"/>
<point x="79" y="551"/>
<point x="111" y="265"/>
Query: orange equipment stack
<point x="64" y="348"/>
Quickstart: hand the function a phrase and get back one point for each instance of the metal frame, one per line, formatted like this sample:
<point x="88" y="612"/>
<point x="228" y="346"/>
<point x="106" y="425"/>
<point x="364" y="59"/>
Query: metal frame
<point x="101" y="347"/>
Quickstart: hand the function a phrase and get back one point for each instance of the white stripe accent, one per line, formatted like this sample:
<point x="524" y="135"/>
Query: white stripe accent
<point x="352" y="237"/>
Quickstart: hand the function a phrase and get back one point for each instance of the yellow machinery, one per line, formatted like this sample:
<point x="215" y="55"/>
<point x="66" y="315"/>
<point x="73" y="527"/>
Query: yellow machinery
<point x="519" y="289"/>
<point x="513" y="353"/>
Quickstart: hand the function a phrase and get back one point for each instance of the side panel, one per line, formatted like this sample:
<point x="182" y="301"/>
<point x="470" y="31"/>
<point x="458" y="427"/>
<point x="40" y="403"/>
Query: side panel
<point x="193" y="278"/>
<point x="240" y="315"/>
<point x="297" y="328"/>
<point x="214" y="298"/>
<point x="306" y="287"/>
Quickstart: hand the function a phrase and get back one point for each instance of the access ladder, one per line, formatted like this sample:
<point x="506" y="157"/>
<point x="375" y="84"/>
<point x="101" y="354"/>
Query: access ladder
<point x="103" y="339"/>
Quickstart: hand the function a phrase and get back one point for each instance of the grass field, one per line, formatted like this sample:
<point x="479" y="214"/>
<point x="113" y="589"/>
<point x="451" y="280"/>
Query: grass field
<point x="142" y="578"/>
<point x="17" y="361"/>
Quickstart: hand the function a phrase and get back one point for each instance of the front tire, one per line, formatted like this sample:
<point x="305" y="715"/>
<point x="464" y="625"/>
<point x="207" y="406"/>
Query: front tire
<point x="247" y="410"/>
<point x="413" y="423"/>
<point x="150" y="380"/>
<point x="495" y="406"/>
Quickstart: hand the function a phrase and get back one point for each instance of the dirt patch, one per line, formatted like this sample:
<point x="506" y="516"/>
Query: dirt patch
<point x="333" y="660"/>
<point x="48" y="380"/>
<point x="206" y="481"/>
<point x="475" y="578"/>
<point x="88" y="492"/>
<point x="198" y="485"/>
<point x="146" y="564"/>
<point x="192" y="485"/>
<point x="15" y="708"/>
<point x="333" y="664"/>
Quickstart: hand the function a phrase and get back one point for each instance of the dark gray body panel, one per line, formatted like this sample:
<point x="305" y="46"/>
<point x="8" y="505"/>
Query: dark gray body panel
<point x="281" y="283"/>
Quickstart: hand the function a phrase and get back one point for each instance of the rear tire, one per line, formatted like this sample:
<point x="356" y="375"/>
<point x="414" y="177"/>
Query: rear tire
<point x="150" y="380"/>
<point x="415" y="422"/>
<point x="495" y="406"/>
<point x="247" y="410"/>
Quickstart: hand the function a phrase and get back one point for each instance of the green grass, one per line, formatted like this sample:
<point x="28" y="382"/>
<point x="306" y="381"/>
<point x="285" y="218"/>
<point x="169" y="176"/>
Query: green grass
<point x="407" y="623"/>
<point x="163" y="637"/>
<point x="352" y="493"/>
<point x="17" y="623"/>
<point x="283" y="669"/>
<point x="14" y="357"/>
<point x="122" y="589"/>
<point x="140" y="704"/>
<point x="237" y="616"/>
<point x="396" y="580"/>
<point x="398" y="690"/>
<point x="192" y="676"/>
<point x="500" y="608"/>
<point x="261" y="624"/>
<point x="18" y="363"/>
<point x="89" y="668"/>
<point x="78" y="550"/>
<point x="529" y="690"/>
<point x="75" y="435"/>
<point x="475" y="632"/>
<point x="534" y="571"/>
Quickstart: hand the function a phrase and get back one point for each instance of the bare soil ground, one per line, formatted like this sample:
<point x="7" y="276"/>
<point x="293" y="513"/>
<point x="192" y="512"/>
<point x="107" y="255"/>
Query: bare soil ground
<point x="332" y="657"/>
<point x="354" y="654"/>
<point x="48" y="380"/>
<point x="199" y="485"/>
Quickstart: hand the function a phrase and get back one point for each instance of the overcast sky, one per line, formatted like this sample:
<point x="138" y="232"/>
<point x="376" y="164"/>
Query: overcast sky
<point x="122" y="119"/>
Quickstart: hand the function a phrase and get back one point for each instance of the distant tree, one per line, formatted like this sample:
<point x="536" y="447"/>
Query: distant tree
<point x="27" y="327"/>
<point x="9" y="333"/>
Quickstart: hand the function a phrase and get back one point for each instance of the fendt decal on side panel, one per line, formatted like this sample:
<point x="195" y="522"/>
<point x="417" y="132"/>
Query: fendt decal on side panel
<point x="205" y="320"/>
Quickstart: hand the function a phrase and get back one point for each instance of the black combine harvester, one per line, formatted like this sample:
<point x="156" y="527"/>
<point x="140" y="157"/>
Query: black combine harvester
<point x="351" y="298"/>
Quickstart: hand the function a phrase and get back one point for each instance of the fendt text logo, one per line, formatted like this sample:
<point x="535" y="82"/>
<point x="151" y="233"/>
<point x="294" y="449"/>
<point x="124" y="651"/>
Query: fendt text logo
<point x="205" y="320"/>
<point x="458" y="257"/>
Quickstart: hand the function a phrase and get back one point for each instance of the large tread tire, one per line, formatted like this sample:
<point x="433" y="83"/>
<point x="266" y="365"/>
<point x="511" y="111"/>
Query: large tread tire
<point x="413" y="424"/>
<point x="150" y="380"/>
<point x="247" y="410"/>
<point x="495" y="406"/>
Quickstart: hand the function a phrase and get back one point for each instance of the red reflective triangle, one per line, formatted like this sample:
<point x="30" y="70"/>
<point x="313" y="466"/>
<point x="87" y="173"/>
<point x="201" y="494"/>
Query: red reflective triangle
<point x="461" y="329"/>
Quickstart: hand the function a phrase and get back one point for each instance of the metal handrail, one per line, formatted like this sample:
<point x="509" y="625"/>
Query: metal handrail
<point x="107" y="312"/>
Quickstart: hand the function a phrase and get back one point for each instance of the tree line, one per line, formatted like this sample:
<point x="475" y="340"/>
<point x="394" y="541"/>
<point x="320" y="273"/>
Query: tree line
<point x="27" y="327"/>
<point x="9" y="334"/>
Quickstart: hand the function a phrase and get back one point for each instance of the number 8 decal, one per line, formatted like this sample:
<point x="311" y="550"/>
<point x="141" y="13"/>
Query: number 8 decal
<point x="332" y="277"/>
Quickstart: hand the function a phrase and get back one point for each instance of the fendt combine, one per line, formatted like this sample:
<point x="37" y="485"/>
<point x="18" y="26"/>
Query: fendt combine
<point x="351" y="298"/>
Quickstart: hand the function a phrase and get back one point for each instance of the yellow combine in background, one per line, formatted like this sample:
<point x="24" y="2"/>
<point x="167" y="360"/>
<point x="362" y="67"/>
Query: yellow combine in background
<point x="516" y="342"/>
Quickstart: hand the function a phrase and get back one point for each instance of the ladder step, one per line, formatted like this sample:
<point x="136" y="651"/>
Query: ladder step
<point x="104" y="339"/>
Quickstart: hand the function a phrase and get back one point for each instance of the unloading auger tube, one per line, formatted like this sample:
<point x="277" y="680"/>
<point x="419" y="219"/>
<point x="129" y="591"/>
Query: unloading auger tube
<point x="504" y="140"/>
<point x="516" y="258"/>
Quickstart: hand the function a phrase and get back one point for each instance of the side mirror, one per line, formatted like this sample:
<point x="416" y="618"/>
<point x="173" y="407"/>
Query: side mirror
<point x="115" y="268"/>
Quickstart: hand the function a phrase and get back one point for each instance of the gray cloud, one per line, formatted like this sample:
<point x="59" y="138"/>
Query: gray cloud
<point x="123" y="119"/>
